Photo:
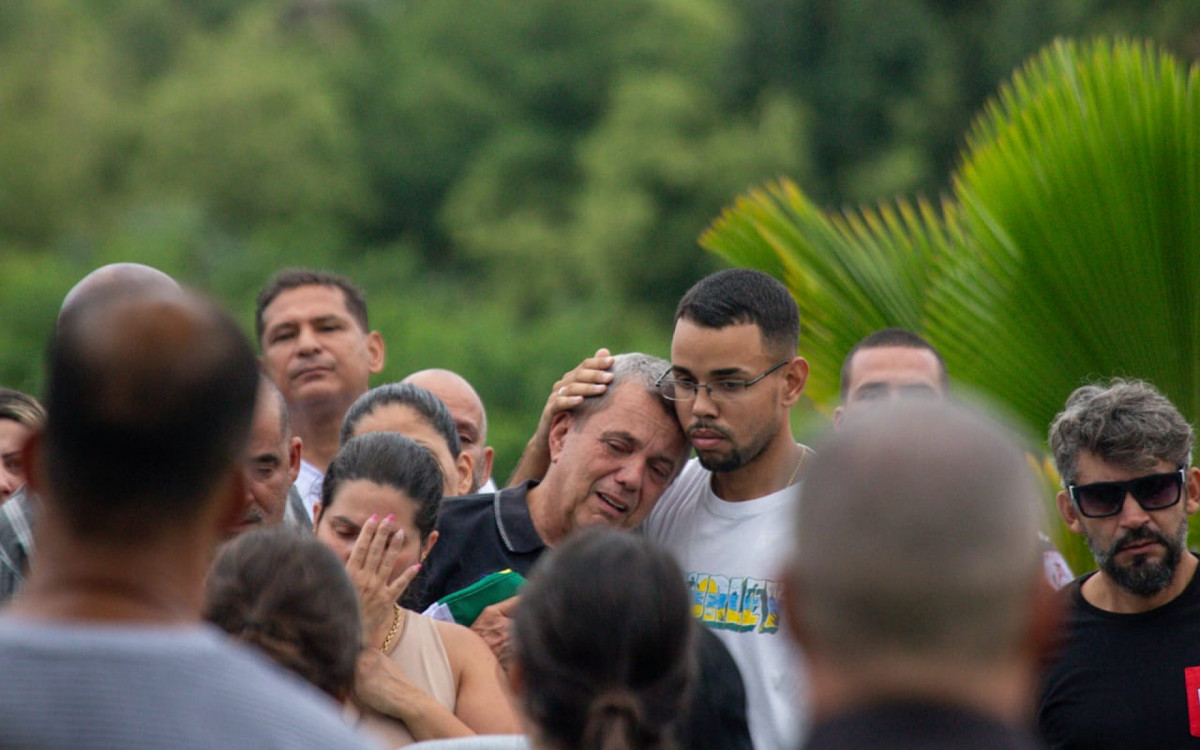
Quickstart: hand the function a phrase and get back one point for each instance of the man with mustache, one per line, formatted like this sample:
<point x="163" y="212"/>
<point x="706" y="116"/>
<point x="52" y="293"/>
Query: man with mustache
<point x="319" y="349"/>
<point x="1127" y="673"/>
<point x="609" y="461"/>
<point x="272" y="463"/>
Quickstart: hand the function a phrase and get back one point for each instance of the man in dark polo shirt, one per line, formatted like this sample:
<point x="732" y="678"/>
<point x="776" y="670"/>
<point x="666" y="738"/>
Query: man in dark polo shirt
<point x="610" y="460"/>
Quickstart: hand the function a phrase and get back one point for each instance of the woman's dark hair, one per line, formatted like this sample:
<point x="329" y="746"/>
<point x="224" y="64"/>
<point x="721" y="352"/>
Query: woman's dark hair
<point x="287" y="594"/>
<point x="428" y="406"/>
<point x="603" y="635"/>
<point x="390" y="460"/>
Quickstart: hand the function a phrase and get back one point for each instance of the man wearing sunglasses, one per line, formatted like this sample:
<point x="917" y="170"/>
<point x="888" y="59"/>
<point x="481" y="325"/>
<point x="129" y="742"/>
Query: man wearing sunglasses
<point x="1127" y="673"/>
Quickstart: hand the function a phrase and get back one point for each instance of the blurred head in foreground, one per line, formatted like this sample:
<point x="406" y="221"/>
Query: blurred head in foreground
<point x="288" y="595"/>
<point x="602" y="639"/>
<point x="916" y="572"/>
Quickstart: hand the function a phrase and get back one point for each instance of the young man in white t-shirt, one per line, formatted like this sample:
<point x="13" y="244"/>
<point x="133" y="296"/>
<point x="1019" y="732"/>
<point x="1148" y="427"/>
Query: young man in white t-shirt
<point x="734" y="377"/>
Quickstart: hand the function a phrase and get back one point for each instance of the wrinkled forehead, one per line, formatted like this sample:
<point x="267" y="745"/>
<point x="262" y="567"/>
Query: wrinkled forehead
<point x="895" y="366"/>
<point x="307" y="301"/>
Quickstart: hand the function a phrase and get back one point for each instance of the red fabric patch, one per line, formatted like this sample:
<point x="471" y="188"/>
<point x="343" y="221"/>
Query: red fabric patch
<point x="1191" y="675"/>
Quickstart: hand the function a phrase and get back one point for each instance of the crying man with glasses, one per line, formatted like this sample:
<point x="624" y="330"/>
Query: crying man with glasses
<point x="1127" y="673"/>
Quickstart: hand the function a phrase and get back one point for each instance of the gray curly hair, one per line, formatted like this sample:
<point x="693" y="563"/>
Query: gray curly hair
<point x="1122" y="422"/>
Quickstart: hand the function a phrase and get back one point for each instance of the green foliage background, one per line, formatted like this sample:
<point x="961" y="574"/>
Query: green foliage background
<point x="1064" y="252"/>
<point x="514" y="184"/>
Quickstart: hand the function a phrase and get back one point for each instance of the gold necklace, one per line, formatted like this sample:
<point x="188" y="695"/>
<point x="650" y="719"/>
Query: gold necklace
<point x="796" y="471"/>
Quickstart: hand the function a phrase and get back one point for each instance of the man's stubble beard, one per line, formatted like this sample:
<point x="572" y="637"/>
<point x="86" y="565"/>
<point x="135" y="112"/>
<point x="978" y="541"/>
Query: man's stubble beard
<point x="737" y="456"/>
<point x="1141" y="577"/>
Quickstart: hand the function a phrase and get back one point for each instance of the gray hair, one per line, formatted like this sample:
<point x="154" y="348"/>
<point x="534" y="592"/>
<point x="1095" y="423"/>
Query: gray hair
<point x="633" y="367"/>
<point x="1123" y="422"/>
<point x="917" y="539"/>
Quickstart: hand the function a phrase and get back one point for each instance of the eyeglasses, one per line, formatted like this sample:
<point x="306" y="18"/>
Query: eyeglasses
<point x="718" y="390"/>
<point x="1152" y="492"/>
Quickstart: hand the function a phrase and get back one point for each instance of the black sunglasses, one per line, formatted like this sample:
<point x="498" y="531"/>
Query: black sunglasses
<point x="1152" y="492"/>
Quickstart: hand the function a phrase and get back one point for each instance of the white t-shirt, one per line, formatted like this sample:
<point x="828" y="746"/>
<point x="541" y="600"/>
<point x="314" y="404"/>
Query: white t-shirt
<point x="308" y="484"/>
<point x="732" y="555"/>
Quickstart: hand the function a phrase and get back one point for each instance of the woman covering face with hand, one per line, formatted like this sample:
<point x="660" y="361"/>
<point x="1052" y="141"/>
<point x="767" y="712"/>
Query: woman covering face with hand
<point x="417" y="678"/>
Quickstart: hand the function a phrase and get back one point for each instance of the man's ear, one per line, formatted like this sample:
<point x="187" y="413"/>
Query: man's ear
<point x="488" y="455"/>
<point x="1047" y="615"/>
<point x="376" y="353"/>
<point x="838" y="415"/>
<point x="792" y="594"/>
<point x="295" y="450"/>
<point x="795" y="376"/>
<point x="1192" y="502"/>
<point x="31" y="459"/>
<point x="232" y="503"/>
<point x="1067" y="510"/>
<point x="317" y="510"/>
<point x="560" y="425"/>
<point x="464" y="467"/>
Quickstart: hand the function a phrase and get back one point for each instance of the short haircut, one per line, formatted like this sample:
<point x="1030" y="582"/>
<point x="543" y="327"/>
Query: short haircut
<point x="294" y="278"/>
<point x="150" y="397"/>
<point x="603" y="634"/>
<point x="288" y="594"/>
<point x="944" y="499"/>
<point x="22" y="409"/>
<point x="424" y="403"/>
<point x="738" y="296"/>
<point x="637" y="369"/>
<point x="389" y="460"/>
<point x="1122" y="422"/>
<point x="889" y="337"/>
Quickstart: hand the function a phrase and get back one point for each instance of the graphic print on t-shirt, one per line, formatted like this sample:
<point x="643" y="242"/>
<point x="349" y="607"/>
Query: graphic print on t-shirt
<point x="1191" y="677"/>
<point x="739" y="604"/>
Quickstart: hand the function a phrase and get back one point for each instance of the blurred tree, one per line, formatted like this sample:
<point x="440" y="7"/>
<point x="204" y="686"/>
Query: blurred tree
<point x="515" y="184"/>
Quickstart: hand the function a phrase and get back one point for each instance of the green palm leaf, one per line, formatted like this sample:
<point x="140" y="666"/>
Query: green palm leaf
<point x="1067" y="250"/>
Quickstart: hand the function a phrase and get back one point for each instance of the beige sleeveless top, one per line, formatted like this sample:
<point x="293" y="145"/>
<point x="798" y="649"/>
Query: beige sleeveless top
<point x="422" y="657"/>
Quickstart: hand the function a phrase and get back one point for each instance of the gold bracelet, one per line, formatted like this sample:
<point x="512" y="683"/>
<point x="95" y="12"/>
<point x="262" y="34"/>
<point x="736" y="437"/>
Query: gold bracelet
<point x="387" y="642"/>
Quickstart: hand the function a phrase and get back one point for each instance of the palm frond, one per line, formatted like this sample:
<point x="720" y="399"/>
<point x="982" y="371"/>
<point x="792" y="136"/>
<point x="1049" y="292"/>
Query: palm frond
<point x="1068" y="249"/>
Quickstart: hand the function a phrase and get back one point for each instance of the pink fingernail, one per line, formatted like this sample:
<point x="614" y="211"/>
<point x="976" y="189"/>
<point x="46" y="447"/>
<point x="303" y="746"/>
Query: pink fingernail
<point x="389" y="519"/>
<point x="372" y="518"/>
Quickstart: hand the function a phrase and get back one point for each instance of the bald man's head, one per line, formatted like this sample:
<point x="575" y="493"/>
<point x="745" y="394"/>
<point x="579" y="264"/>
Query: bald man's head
<point x="131" y="277"/>
<point x="470" y="418"/>
<point x="150" y="393"/>
<point x="917" y="539"/>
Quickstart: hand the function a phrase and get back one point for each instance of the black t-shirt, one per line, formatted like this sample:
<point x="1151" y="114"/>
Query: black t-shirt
<point x="477" y="535"/>
<point x="911" y="725"/>
<point x="1125" y="680"/>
